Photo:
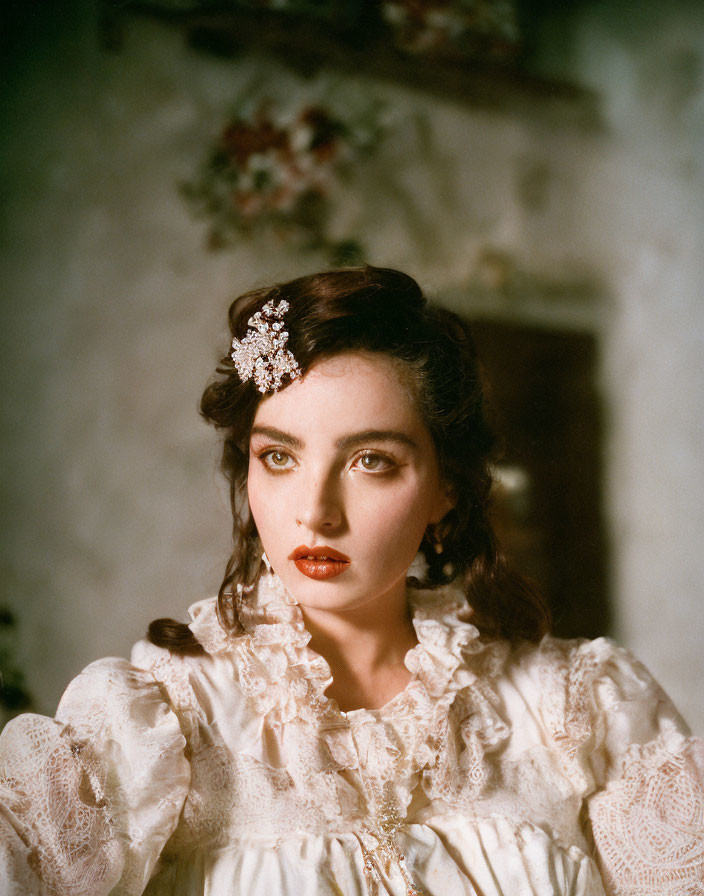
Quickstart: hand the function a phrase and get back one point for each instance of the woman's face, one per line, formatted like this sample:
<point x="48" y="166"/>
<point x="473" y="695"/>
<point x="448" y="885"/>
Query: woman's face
<point x="343" y="470"/>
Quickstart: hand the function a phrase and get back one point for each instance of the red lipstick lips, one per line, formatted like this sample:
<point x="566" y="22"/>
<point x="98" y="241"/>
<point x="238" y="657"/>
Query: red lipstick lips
<point x="320" y="562"/>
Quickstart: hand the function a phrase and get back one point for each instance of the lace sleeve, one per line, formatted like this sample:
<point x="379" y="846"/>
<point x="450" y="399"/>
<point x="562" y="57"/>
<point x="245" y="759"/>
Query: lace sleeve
<point x="88" y="800"/>
<point x="647" y="815"/>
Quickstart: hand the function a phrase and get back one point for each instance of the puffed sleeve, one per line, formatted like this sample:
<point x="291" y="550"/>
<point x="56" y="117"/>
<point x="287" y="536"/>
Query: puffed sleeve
<point x="88" y="799"/>
<point x="646" y="806"/>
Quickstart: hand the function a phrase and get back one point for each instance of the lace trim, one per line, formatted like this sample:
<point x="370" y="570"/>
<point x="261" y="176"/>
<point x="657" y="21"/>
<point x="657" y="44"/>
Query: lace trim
<point x="171" y="674"/>
<point x="285" y="680"/>
<point x="19" y="879"/>
<point x="441" y="724"/>
<point x="648" y="826"/>
<point x="60" y="796"/>
<point x="567" y="702"/>
<point x="279" y="672"/>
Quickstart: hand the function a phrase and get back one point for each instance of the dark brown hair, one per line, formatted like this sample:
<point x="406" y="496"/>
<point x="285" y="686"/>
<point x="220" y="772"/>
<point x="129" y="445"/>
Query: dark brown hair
<point x="380" y="310"/>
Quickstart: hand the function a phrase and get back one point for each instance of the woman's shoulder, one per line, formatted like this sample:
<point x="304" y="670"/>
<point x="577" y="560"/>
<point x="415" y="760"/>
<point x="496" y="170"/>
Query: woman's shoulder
<point x="570" y="679"/>
<point x="207" y="686"/>
<point x="209" y="637"/>
<point x="592" y="700"/>
<point x="585" y="673"/>
<point x="581" y="680"/>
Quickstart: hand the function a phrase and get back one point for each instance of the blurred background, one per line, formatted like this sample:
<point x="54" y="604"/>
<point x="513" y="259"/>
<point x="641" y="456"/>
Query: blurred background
<point x="535" y="164"/>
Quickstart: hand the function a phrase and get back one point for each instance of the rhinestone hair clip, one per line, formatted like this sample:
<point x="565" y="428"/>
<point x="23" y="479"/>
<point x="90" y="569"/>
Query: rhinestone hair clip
<point x="262" y="354"/>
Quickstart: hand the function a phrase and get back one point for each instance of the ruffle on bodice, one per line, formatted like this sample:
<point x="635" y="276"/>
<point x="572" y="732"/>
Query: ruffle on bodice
<point x="285" y="681"/>
<point x="277" y="671"/>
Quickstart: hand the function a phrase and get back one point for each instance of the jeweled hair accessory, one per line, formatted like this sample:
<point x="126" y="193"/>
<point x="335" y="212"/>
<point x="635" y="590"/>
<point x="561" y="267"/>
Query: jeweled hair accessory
<point x="262" y="354"/>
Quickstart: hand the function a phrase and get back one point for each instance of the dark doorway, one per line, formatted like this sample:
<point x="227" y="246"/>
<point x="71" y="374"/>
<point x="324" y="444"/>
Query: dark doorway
<point x="548" y="509"/>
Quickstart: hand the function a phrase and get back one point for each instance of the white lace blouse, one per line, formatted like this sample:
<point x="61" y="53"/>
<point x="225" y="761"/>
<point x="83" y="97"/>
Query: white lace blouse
<point x="552" y="770"/>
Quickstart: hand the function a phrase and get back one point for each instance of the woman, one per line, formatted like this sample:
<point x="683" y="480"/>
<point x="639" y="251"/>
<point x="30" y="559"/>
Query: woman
<point x="371" y="704"/>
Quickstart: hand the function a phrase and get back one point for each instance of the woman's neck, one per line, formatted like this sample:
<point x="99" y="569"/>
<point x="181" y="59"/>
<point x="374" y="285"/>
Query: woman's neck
<point x="365" y="649"/>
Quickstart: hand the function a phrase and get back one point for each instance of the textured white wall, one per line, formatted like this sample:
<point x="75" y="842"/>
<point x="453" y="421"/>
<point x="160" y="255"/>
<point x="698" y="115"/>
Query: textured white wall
<point x="643" y="223"/>
<point x="114" y="315"/>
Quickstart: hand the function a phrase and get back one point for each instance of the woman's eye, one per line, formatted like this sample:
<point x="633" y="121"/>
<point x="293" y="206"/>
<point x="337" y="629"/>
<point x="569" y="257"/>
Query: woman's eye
<point x="276" y="460"/>
<point x="374" y="463"/>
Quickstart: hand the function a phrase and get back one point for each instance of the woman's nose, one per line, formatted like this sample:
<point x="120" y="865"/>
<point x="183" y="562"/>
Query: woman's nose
<point x="320" y="507"/>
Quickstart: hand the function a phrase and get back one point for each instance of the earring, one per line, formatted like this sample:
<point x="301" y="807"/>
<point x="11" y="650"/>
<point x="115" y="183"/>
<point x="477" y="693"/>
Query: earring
<point x="436" y="541"/>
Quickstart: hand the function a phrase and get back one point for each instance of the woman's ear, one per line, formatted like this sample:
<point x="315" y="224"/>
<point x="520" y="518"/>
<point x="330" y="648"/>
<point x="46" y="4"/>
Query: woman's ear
<point x="445" y="501"/>
<point x="452" y="496"/>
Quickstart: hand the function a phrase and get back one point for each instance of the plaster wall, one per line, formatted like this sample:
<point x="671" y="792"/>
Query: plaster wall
<point x="642" y="223"/>
<point x="114" y="312"/>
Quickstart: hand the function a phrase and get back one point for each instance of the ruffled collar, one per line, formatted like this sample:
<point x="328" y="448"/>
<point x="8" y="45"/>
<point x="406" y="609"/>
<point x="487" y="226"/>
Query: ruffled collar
<point x="450" y="695"/>
<point x="279" y="672"/>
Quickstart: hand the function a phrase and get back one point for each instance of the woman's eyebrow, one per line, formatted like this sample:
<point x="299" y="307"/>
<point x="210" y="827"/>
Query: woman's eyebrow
<point x="376" y="435"/>
<point x="277" y="435"/>
<point x="355" y="438"/>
